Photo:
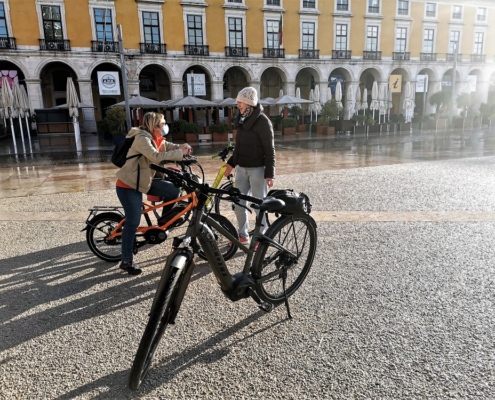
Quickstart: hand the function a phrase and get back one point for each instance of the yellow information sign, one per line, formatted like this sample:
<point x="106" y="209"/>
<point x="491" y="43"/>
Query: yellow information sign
<point x="395" y="83"/>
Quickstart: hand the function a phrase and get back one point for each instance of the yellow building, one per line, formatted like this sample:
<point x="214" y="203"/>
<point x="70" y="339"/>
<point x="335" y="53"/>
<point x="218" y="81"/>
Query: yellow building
<point x="277" y="46"/>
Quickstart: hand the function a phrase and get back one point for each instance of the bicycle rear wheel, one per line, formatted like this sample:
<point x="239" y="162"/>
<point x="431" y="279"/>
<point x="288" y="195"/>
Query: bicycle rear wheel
<point x="298" y="235"/>
<point x="160" y="315"/>
<point x="97" y="234"/>
<point x="226" y="249"/>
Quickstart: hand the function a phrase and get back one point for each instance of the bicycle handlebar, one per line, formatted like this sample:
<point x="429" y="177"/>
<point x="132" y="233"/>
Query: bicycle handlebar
<point x="184" y="180"/>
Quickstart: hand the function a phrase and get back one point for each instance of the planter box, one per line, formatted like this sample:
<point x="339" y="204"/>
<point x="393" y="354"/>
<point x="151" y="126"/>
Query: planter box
<point x="289" y="131"/>
<point x="301" y="128"/>
<point x="374" y="128"/>
<point x="220" y="137"/>
<point x="178" y="137"/>
<point x="191" y="137"/>
<point x="321" y="130"/>
<point x="432" y="124"/>
<point x="441" y="123"/>
<point x="459" y="123"/>
<point x="359" y="128"/>
<point x="201" y="129"/>
<point x="342" y="125"/>
<point x="330" y="130"/>
<point x="406" y="127"/>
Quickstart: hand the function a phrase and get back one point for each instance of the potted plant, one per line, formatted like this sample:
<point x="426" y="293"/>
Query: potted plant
<point x="322" y="125"/>
<point x="220" y="132"/>
<point x="373" y="127"/>
<point x="359" y="120"/>
<point x="114" y="120"/>
<point x="289" y="126"/>
<point x="335" y="115"/>
<point x="439" y="100"/>
<point x="296" y="112"/>
<point x="177" y="135"/>
<point x="190" y="130"/>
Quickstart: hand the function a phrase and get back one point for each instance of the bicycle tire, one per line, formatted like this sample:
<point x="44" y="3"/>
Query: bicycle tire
<point x="226" y="249"/>
<point x="159" y="319"/>
<point x="97" y="233"/>
<point x="297" y="234"/>
<point x="226" y="208"/>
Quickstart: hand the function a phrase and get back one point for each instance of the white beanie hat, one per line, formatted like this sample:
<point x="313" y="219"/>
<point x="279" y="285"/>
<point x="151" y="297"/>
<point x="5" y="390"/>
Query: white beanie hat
<point x="248" y="95"/>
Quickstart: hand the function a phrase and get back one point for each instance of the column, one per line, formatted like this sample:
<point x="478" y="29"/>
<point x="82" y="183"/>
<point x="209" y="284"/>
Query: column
<point x="133" y="86"/>
<point x="87" y="115"/>
<point x="176" y="92"/>
<point x="217" y="90"/>
<point x="290" y="88"/>
<point x="35" y="94"/>
<point x="257" y="86"/>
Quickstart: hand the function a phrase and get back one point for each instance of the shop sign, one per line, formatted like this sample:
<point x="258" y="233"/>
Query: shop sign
<point x="422" y="83"/>
<point x="108" y="83"/>
<point x="199" y="85"/>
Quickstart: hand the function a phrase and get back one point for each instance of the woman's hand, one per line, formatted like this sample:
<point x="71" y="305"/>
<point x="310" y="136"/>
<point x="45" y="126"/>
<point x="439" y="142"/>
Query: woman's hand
<point x="228" y="170"/>
<point x="269" y="182"/>
<point x="186" y="149"/>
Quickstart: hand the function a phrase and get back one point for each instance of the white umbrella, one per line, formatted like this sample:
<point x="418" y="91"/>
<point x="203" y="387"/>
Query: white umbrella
<point x="382" y="101"/>
<point x="390" y="104"/>
<point x="338" y="96"/>
<point x="25" y="107"/>
<point x="357" y="103"/>
<point x="349" y="100"/>
<point x="317" y="105"/>
<point x="298" y="93"/>
<point x="364" y="104"/>
<point x="408" y="102"/>
<point x="18" y="111"/>
<point x="312" y="105"/>
<point x="137" y="101"/>
<point x="190" y="101"/>
<point x="267" y="101"/>
<point x="73" y="103"/>
<point x="7" y="103"/>
<point x="375" y="105"/>
<point x="280" y="95"/>
<point x="287" y="99"/>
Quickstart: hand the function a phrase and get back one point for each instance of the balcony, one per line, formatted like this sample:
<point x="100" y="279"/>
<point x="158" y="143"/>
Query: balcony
<point x="372" y="55"/>
<point x="198" y="50"/>
<point x="236" y="51"/>
<point x="451" y="57"/>
<point x="401" y="56"/>
<point x="153" y="48"/>
<point x="309" y="53"/>
<point x="481" y="18"/>
<point x="7" y="43"/>
<point x="403" y="11"/>
<point x="55" y="44"/>
<point x="273" y="53"/>
<point x="342" y="7"/>
<point x="273" y="3"/>
<point x="309" y="4"/>
<point x="478" y="58"/>
<point x="373" y="9"/>
<point x="100" y="46"/>
<point x="428" y="57"/>
<point x="431" y="14"/>
<point x="342" y="54"/>
<point x="456" y="16"/>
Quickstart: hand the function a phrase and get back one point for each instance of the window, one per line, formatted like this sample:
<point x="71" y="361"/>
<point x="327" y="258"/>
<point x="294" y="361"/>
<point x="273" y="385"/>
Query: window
<point x="457" y="12"/>
<point x="373" y="6"/>
<point x="308" y="36"/>
<point x="273" y="3"/>
<point x="431" y="10"/>
<point x="341" y="37"/>
<point x="195" y="30"/>
<point x="272" y="29"/>
<point x="235" y="32"/>
<point x="234" y="1"/>
<point x="428" y="36"/>
<point x="454" y="41"/>
<point x="343" y="5"/>
<point x="3" y="22"/>
<point x="372" y="38"/>
<point x="403" y="7"/>
<point x="147" y="82"/>
<point x="52" y="22"/>
<point x="309" y="4"/>
<point x="478" y="42"/>
<point x="103" y="24"/>
<point x="481" y="14"/>
<point x="151" y="27"/>
<point x="401" y="40"/>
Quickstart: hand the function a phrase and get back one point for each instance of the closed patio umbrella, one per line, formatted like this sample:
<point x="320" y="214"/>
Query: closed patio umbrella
<point x="72" y="104"/>
<point x="357" y="100"/>
<point x="26" y="108"/>
<point x="349" y="100"/>
<point x="7" y="105"/>
<point x="338" y="96"/>
<point x="375" y="105"/>
<point x="364" y="103"/>
<point x="317" y="105"/>
<point x="312" y="105"/>
<point x="18" y="111"/>
<point x="408" y="102"/>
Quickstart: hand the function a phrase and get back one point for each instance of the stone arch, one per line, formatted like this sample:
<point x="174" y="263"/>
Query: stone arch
<point x="154" y="81"/>
<point x="284" y="74"/>
<point x="42" y="65"/>
<point x="204" y="66"/>
<point x="234" y="79"/>
<point x="163" y="66"/>
<point x="53" y="77"/>
<point x="248" y="72"/>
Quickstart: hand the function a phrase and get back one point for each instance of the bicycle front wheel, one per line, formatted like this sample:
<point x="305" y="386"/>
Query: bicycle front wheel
<point x="160" y="315"/>
<point x="97" y="234"/>
<point x="297" y="234"/>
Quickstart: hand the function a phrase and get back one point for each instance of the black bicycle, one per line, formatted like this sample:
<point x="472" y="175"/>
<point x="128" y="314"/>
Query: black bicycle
<point x="271" y="274"/>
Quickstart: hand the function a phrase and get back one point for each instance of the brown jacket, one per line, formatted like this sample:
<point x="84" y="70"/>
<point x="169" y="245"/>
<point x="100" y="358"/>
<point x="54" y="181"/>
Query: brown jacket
<point x="254" y="145"/>
<point x="144" y="144"/>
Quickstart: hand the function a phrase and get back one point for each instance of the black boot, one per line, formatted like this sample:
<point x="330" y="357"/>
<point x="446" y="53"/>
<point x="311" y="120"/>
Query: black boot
<point x="130" y="267"/>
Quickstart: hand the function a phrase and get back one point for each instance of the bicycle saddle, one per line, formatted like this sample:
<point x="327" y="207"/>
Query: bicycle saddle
<point x="271" y="204"/>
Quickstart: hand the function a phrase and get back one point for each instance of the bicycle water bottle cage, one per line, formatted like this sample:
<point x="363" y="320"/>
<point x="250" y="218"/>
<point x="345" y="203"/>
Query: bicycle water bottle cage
<point x="295" y="203"/>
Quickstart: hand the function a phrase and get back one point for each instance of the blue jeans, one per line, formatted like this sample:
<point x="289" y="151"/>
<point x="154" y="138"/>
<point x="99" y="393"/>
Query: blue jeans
<point x="250" y="181"/>
<point x="132" y="200"/>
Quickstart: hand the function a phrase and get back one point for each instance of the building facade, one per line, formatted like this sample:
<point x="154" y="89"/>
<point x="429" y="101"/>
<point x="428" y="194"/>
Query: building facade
<point x="274" y="45"/>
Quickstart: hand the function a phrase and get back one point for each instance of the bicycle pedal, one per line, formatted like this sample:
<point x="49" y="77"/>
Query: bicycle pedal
<point x="267" y="307"/>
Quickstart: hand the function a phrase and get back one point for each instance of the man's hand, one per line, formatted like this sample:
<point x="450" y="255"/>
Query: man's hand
<point x="228" y="170"/>
<point x="269" y="182"/>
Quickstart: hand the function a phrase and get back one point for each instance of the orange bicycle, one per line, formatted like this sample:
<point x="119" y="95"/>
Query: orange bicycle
<point x="104" y="224"/>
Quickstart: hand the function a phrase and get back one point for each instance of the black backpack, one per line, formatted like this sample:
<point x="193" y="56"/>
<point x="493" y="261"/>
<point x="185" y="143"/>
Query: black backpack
<point x="119" y="155"/>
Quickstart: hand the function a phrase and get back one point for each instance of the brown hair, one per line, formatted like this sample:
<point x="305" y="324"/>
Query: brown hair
<point x="151" y="120"/>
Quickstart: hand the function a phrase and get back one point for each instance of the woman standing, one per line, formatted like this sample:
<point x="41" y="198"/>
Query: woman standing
<point x="136" y="178"/>
<point x="254" y="154"/>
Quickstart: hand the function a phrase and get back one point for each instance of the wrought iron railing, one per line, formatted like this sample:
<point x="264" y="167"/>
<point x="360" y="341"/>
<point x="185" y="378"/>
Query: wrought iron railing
<point x="55" y="44"/>
<point x="372" y="55"/>
<point x="478" y="57"/>
<point x="343" y="7"/>
<point x="431" y="14"/>
<point x="401" y="55"/>
<point x="153" y="48"/>
<point x="428" y="56"/>
<point x="196" y="50"/>
<point x="373" y="9"/>
<point x="342" y="54"/>
<point x="236" y="51"/>
<point x="104" y="47"/>
<point x="309" y="53"/>
<point x="7" y="43"/>
<point x="273" y="53"/>
<point x="451" y="57"/>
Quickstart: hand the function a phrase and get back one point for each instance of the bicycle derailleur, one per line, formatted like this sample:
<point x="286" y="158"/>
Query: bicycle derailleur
<point x="243" y="286"/>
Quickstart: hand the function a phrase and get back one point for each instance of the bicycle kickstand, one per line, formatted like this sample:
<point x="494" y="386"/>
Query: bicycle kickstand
<point x="284" y="277"/>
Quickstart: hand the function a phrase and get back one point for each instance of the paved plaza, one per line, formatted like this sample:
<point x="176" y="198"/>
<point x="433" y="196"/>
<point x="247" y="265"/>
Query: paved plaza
<point x="399" y="304"/>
